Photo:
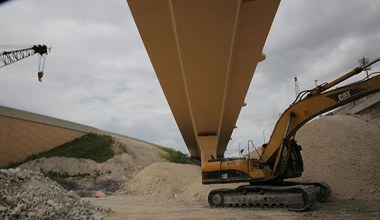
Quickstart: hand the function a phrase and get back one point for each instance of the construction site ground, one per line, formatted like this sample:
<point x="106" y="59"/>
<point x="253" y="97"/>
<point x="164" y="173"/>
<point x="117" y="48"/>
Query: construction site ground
<point x="138" y="207"/>
<point x="139" y="184"/>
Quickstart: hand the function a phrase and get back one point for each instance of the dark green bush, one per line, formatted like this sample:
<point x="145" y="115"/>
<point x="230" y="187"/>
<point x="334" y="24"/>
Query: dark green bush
<point x="175" y="156"/>
<point x="92" y="146"/>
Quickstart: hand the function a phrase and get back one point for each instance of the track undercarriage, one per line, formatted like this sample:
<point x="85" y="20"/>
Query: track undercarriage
<point x="292" y="195"/>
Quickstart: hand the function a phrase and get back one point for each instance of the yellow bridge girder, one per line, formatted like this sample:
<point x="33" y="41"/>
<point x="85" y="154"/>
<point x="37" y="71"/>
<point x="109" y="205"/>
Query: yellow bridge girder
<point x="204" y="53"/>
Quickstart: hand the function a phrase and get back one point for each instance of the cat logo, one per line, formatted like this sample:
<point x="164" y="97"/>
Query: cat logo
<point x="339" y="97"/>
<point x="344" y="95"/>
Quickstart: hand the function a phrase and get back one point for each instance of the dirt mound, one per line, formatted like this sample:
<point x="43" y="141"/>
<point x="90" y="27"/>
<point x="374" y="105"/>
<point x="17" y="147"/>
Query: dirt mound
<point x="170" y="181"/>
<point x="343" y="151"/>
<point x="132" y="156"/>
<point x="164" y="179"/>
<point x="85" y="176"/>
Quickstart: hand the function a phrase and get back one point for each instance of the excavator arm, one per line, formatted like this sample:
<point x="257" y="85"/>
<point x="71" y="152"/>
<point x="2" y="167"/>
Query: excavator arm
<point x="306" y="109"/>
<point x="281" y="149"/>
<point x="276" y="155"/>
<point x="309" y="104"/>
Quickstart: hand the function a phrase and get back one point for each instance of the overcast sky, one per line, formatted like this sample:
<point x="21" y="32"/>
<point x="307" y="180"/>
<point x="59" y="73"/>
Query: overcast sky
<point x="99" y="74"/>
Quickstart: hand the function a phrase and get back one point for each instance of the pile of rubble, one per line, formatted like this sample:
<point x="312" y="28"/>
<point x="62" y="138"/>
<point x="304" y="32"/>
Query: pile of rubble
<point x="86" y="176"/>
<point x="30" y="195"/>
<point x="343" y="150"/>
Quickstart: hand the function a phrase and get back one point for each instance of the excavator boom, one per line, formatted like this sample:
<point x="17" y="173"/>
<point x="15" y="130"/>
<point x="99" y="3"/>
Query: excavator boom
<point x="313" y="105"/>
<point x="268" y="167"/>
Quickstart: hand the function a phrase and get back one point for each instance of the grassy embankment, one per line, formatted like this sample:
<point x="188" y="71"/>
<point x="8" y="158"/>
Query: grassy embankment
<point x="98" y="147"/>
<point x="175" y="156"/>
<point x="92" y="146"/>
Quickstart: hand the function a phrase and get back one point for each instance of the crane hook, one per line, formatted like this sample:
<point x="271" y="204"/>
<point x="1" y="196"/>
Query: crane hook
<point x="40" y="75"/>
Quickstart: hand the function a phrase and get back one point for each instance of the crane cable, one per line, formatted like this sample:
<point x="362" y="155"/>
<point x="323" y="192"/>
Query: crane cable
<point x="41" y="62"/>
<point x="41" y="67"/>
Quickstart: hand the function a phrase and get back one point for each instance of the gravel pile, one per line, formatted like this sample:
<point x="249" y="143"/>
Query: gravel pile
<point x="344" y="151"/>
<point x="30" y="195"/>
<point x="165" y="181"/>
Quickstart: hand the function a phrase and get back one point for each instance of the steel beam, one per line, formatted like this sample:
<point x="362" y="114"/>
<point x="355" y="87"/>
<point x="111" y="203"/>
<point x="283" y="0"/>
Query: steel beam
<point x="204" y="53"/>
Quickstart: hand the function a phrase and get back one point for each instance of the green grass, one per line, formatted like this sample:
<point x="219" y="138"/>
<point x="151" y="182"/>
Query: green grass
<point x="90" y="146"/>
<point x="175" y="156"/>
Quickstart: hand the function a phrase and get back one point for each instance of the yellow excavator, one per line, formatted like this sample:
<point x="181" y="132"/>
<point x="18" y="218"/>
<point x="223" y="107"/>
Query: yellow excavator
<point x="281" y="158"/>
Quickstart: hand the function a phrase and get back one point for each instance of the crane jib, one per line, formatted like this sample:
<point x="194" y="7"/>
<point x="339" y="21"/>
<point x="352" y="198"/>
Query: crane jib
<point x="9" y="57"/>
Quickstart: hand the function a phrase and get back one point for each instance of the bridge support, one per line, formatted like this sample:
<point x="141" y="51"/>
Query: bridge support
<point x="208" y="146"/>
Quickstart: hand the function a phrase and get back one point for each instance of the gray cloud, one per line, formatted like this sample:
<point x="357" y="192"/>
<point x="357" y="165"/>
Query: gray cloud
<point x="99" y="73"/>
<point x="313" y="40"/>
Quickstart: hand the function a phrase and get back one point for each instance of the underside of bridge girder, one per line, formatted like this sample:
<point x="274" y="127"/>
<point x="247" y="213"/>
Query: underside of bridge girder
<point x="204" y="53"/>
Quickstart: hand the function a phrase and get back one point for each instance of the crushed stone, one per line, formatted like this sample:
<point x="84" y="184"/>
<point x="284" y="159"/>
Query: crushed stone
<point x="26" y="194"/>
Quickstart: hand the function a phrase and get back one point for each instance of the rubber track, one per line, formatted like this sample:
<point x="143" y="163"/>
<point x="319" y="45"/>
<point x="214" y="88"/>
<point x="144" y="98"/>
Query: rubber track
<point x="327" y="193"/>
<point x="321" y="196"/>
<point x="307" y="197"/>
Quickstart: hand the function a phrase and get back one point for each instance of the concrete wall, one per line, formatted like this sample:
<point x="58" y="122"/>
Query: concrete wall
<point x="23" y="134"/>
